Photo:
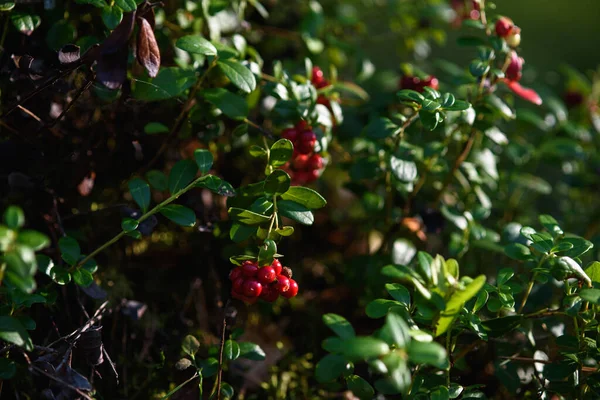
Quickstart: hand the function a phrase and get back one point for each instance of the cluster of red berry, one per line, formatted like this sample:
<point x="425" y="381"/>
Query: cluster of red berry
<point x="251" y="282"/>
<point x="305" y="165"/>
<point x="415" y="83"/>
<point x="506" y="29"/>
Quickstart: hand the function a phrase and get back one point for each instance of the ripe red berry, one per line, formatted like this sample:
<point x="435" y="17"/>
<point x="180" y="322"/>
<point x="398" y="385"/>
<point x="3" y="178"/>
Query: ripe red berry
<point x="306" y="142"/>
<point x="432" y="82"/>
<point x="312" y="175"/>
<point x="251" y="288"/>
<point x="266" y="275"/>
<point x="238" y="285"/>
<point x="269" y="293"/>
<point x="302" y="125"/>
<point x="290" y="134"/>
<point x="317" y="74"/>
<point x="282" y="284"/>
<point x="315" y="162"/>
<point x="301" y="177"/>
<point x="513" y="71"/>
<point x="235" y="273"/>
<point x="249" y="268"/>
<point x="410" y="82"/>
<point x="323" y="100"/>
<point x="504" y="26"/>
<point x="292" y="291"/>
<point x="300" y="162"/>
<point x="276" y="265"/>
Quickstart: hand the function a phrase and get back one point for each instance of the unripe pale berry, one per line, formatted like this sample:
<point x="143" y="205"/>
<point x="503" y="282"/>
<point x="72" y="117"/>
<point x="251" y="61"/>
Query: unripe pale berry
<point x="504" y="26"/>
<point x="292" y="291"/>
<point x="266" y="275"/>
<point x="282" y="284"/>
<point x="514" y="39"/>
<point x="252" y="288"/>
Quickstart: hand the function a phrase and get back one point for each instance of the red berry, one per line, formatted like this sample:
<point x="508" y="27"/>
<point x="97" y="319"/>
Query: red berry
<point x="301" y="177"/>
<point x="251" y="288"/>
<point x="504" y="26"/>
<point x="573" y="99"/>
<point x="290" y="134"/>
<point x="513" y="71"/>
<point x="432" y="82"/>
<point x="282" y="284"/>
<point x="276" y="265"/>
<point x="249" y="300"/>
<point x="266" y="275"/>
<point x="269" y="293"/>
<point x="315" y="162"/>
<point x="292" y="291"/>
<point x="306" y="142"/>
<point x="312" y="175"/>
<point x="323" y="100"/>
<point x="238" y="285"/>
<point x="235" y="273"/>
<point x="302" y="125"/>
<point x="410" y="82"/>
<point x="300" y="162"/>
<point x="317" y="74"/>
<point x="249" y="268"/>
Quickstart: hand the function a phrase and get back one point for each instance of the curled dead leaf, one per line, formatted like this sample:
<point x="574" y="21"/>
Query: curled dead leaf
<point x="148" y="53"/>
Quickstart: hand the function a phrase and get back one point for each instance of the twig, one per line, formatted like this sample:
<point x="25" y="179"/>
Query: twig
<point x="60" y="381"/>
<point x="222" y="345"/>
<point x="547" y="362"/>
<point x="80" y="91"/>
<point x="179" y="387"/>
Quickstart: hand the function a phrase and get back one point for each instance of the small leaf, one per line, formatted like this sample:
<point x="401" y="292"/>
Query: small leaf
<point x="379" y="308"/>
<point x="190" y="345"/>
<point x="247" y="217"/>
<point x="364" y="348"/>
<point x="339" y="325"/>
<point x="398" y="330"/>
<point x="69" y="249"/>
<point x="458" y="105"/>
<point x="238" y="74"/>
<point x="204" y="160"/>
<point x="380" y="128"/>
<point x="456" y="303"/>
<point x="230" y="104"/>
<point x="479" y="68"/>
<point x="179" y="214"/>
<point x="295" y="211"/>
<point x="158" y="180"/>
<point x="13" y="331"/>
<point x="129" y="224"/>
<point x="33" y="239"/>
<point x="410" y="95"/>
<point x="277" y="183"/>
<point x="428" y="353"/>
<point x="305" y="196"/>
<point x="153" y="128"/>
<point x="330" y="367"/>
<point x="593" y="271"/>
<point x="126" y="5"/>
<point x="440" y="393"/>
<point x="181" y="175"/>
<point x="24" y="22"/>
<point x="360" y="387"/>
<point x="14" y="217"/>
<point x="591" y="295"/>
<point x="404" y="170"/>
<point x="281" y="152"/>
<point x="517" y="251"/>
<point x="231" y="350"/>
<point x="251" y="351"/>
<point x="140" y="191"/>
<point x="82" y="277"/>
<point x="196" y="45"/>
<point x="266" y="253"/>
<point x="398" y="292"/>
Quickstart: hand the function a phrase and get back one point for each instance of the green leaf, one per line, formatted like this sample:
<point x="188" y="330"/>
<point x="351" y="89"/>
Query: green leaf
<point x="295" y="211"/>
<point x="591" y="295"/>
<point x="404" y="170"/>
<point x="95" y="3"/>
<point x="251" y="351"/>
<point x="231" y="350"/>
<point x="410" y="95"/>
<point x="140" y="191"/>
<point x="330" y="367"/>
<point x="459" y="105"/>
<point x="24" y="22"/>
<point x="238" y="74"/>
<point x="333" y="344"/>
<point x="277" y="183"/>
<point x="204" y="159"/>
<point x="69" y="249"/>
<point x="230" y="104"/>
<point x="196" y="45"/>
<point x="360" y="387"/>
<point x="593" y="271"/>
<point x="13" y="331"/>
<point x="580" y="246"/>
<point x="82" y="277"/>
<point x="33" y="239"/>
<point x="504" y="275"/>
<point x="431" y="353"/>
<point x="14" y="217"/>
<point x="339" y="325"/>
<point x="397" y="381"/>
<point x="190" y="345"/>
<point x="129" y="224"/>
<point x="479" y="68"/>
<point x="60" y="34"/>
<point x="398" y="330"/>
<point x="398" y="292"/>
<point x="179" y="214"/>
<point x="517" y="251"/>
<point x="364" y="348"/>
<point x="551" y="225"/>
<point x="112" y="16"/>
<point x="247" y="217"/>
<point x="6" y="5"/>
<point x="126" y="5"/>
<point x="8" y="368"/>
<point x="430" y="120"/>
<point x="60" y="275"/>
<point x="430" y="105"/>
<point x="170" y="82"/>
<point x="497" y="104"/>
<point x="281" y="152"/>
<point x="153" y="128"/>
<point x="158" y="180"/>
<point x="380" y="128"/>
<point x="266" y="253"/>
<point x="440" y="393"/>
<point x="181" y="175"/>
<point x="497" y="327"/>
<point x="227" y="390"/>
<point x="305" y="196"/>
<point x="379" y="308"/>
<point x="240" y="232"/>
<point x="456" y="303"/>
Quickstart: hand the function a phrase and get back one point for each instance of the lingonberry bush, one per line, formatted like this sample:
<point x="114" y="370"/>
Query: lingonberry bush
<point x="228" y="199"/>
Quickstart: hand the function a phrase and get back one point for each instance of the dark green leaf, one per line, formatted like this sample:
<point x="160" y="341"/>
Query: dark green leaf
<point x="170" y="82"/>
<point x="330" y="367"/>
<point x="281" y="152"/>
<point x="398" y="330"/>
<point x="13" y="331"/>
<point x="277" y="183"/>
<point x="238" y="74"/>
<point x="196" y="45"/>
<point x="69" y="249"/>
<point x="140" y="191"/>
<point x="179" y="214"/>
<point x="517" y="251"/>
<point x="398" y="292"/>
<point x="153" y="128"/>
<point x="240" y="232"/>
<point x="82" y="277"/>
<point x="360" y="387"/>
<point x="231" y="350"/>
<point x="431" y="353"/>
<point x="112" y="16"/>
<point x="591" y="295"/>
<point x="33" y="239"/>
<point x="580" y="246"/>
<point x="266" y="253"/>
<point x="380" y="128"/>
<point x="158" y="180"/>
<point x="379" y="308"/>
<point x="430" y="105"/>
<point x="126" y="5"/>
<point x="247" y="217"/>
<point x="497" y="327"/>
<point x="251" y="351"/>
<point x="305" y="196"/>
<point x="8" y="368"/>
<point x="129" y="224"/>
<point x="60" y="34"/>
<point x="410" y="95"/>
<point x="14" y="217"/>
<point x="440" y="393"/>
<point x="295" y="211"/>
<point x="204" y="160"/>
<point x="479" y="68"/>
<point x="364" y="348"/>
<point x="339" y="325"/>
<point x="181" y="175"/>
<point x="333" y="344"/>
<point x="459" y="105"/>
<point x="230" y="104"/>
<point x="430" y="120"/>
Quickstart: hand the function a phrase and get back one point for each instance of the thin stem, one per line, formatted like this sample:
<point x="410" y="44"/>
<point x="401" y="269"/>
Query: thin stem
<point x="530" y="286"/>
<point x="144" y="217"/>
<point x="457" y="163"/>
<point x="449" y="352"/>
<point x="172" y="392"/>
<point x="220" y="373"/>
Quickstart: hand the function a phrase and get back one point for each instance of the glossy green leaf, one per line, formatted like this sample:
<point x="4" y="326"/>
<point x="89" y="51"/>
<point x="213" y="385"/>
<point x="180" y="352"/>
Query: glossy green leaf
<point x="379" y="308"/>
<point x="360" y="387"/>
<point x="247" y="217"/>
<point x="152" y="128"/>
<point x="33" y="239"/>
<point x="517" y="251"/>
<point x="230" y="104"/>
<point x="190" y="345"/>
<point x="330" y="367"/>
<point x="204" y="160"/>
<point x="398" y="330"/>
<point x="281" y="152"/>
<point x="158" y="180"/>
<point x="82" y="277"/>
<point x="398" y="292"/>
<point x="304" y="196"/>
<point x="267" y="252"/>
<point x="339" y="325"/>
<point x="231" y="350"/>
<point x="277" y="183"/>
<point x="170" y="82"/>
<point x="126" y="5"/>
<point x="181" y="175"/>
<point x="196" y="45"/>
<point x="410" y="95"/>
<point x="179" y="214"/>
<point x="69" y="249"/>
<point x="455" y="304"/>
<point x="364" y="348"/>
<point x="140" y="191"/>
<point x="295" y="211"/>
<point x="129" y="224"/>
<point x="14" y="217"/>
<point x="428" y="353"/>
<point x="251" y="351"/>
<point x="238" y="74"/>
<point x="13" y="331"/>
<point x="111" y="16"/>
<point x="380" y="128"/>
